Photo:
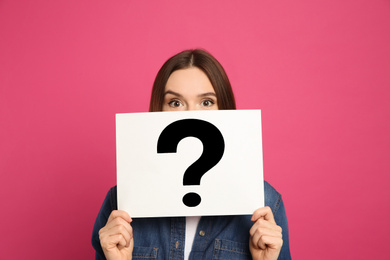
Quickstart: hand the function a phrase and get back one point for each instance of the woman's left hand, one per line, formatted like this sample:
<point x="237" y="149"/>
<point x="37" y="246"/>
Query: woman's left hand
<point x="265" y="235"/>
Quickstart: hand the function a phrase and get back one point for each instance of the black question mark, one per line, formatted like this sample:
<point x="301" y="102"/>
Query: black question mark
<point x="213" y="149"/>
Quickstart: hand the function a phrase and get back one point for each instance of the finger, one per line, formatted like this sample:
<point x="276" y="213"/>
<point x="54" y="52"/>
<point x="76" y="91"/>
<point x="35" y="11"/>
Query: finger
<point x="272" y="242"/>
<point x="117" y="235"/>
<point x="119" y="239"/>
<point x="258" y="235"/>
<point x="131" y="246"/>
<point x="113" y="242"/>
<point x="265" y="213"/>
<point x="263" y="231"/>
<point x="264" y="224"/>
<point x="124" y="232"/>
<point x="119" y="213"/>
<point x="257" y="242"/>
<point x="118" y="221"/>
<point x="121" y="227"/>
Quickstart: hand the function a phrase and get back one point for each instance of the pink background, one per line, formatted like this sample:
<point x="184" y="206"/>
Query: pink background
<point x="319" y="70"/>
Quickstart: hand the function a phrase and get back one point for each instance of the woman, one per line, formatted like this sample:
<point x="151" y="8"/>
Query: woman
<point x="192" y="80"/>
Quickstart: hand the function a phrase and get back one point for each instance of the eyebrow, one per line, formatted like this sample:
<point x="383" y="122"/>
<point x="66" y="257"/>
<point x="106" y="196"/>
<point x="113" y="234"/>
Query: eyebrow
<point x="208" y="94"/>
<point x="179" y="95"/>
<point x="172" y="93"/>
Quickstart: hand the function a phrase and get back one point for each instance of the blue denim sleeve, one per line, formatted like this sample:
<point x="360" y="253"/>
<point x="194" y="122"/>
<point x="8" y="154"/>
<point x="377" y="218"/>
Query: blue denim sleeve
<point x="100" y="222"/>
<point x="281" y="220"/>
<point x="273" y="199"/>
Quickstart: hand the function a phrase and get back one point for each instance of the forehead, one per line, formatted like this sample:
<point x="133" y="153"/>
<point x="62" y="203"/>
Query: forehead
<point x="190" y="79"/>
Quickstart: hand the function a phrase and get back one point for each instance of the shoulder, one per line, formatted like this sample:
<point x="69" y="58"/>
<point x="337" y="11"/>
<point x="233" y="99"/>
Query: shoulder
<point x="272" y="197"/>
<point x="112" y="194"/>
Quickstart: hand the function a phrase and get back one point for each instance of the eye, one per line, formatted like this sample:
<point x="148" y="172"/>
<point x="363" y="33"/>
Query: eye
<point x="207" y="103"/>
<point x="175" y="103"/>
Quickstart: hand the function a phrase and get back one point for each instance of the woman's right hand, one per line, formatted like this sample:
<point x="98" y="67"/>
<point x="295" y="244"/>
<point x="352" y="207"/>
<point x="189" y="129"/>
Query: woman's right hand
<point x="116" y="237"/>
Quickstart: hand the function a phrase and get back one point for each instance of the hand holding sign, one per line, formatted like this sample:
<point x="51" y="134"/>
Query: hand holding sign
<point x="213" y="148"/>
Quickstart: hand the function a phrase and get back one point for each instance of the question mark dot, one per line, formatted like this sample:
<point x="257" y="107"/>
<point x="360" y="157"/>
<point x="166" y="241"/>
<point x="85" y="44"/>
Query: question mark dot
<point x="191" y="199"/>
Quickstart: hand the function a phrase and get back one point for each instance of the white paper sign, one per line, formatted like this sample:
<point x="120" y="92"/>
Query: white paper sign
<point x="155" y="149"/>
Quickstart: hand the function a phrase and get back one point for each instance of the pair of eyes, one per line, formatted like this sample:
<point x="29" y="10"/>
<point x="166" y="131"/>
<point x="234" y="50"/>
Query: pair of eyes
<point x="177" y="103"/>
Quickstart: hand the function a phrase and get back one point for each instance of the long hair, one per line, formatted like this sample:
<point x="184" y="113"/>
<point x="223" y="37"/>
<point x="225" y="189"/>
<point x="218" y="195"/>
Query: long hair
<point x="194" y="58"/>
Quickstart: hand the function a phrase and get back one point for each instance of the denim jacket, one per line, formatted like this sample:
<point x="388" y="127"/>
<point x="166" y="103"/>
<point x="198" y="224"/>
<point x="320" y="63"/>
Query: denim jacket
<point x="217" y="237"/>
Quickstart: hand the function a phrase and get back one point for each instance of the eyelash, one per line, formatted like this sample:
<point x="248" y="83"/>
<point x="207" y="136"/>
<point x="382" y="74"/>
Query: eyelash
<point x="207" y="100"/>
<point x="171" y="103"/>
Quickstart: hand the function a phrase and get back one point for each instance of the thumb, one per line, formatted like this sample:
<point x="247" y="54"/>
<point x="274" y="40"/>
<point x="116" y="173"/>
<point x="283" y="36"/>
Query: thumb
<point x="131" y="247"/>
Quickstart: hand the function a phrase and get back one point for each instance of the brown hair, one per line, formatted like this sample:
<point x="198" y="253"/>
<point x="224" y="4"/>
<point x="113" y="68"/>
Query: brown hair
<point x="194" y="58"/>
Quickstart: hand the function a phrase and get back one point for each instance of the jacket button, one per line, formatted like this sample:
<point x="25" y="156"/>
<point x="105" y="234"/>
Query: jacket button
<point x="201" y="233"/>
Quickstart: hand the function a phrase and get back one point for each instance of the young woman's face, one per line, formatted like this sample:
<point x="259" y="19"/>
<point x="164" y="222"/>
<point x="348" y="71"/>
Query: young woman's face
<point x="189" y="89"/>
